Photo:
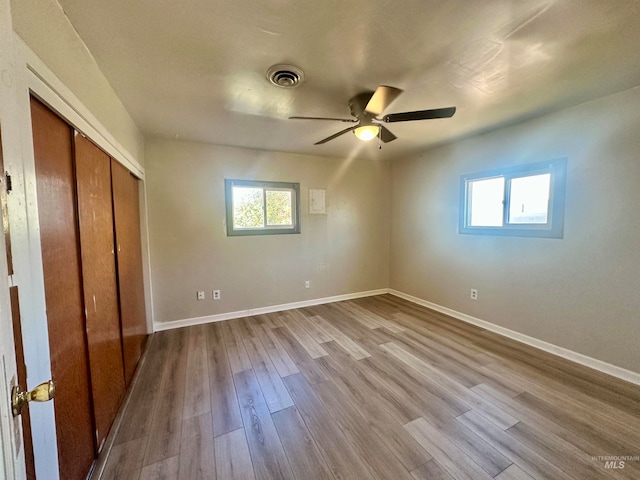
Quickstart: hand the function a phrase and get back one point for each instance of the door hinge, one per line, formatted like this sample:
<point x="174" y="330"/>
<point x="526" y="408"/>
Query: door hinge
<point x="7" y="178"/>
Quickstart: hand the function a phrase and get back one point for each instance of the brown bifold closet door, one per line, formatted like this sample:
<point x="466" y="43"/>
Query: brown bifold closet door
<point x="126" y="208"/>
<point x="55" y="184"/>
<point x="95" y="212"/>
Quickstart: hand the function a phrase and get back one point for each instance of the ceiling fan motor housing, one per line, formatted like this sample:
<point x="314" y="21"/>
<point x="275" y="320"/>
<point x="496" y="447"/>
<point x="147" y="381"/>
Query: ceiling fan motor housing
<point x="358" y="104"/>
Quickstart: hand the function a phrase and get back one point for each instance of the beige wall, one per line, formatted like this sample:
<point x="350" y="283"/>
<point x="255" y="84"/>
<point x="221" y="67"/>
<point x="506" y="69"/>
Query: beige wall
<point x="44" y="27"/>
<point x="344" y="251"/>
<point x="581" y="292"/>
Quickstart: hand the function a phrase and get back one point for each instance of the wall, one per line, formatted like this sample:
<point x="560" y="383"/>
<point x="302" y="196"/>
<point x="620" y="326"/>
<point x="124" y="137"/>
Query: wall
<point x="344" y="251"/>
<point x="47" y="31"/>
<point x="579" y="292"/>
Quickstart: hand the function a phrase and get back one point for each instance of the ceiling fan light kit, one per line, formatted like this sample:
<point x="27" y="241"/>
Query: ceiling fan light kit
<point x="367" y="132"/>
<point x="365" y="108"/>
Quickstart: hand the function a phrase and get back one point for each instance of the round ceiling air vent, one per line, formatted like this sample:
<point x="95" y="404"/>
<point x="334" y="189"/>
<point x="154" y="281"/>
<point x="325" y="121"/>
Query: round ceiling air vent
<point x="285" y="76"/>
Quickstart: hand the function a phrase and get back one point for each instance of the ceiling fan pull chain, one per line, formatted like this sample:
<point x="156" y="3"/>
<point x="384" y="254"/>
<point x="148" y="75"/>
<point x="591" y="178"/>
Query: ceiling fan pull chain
<point x="379" y="138"/>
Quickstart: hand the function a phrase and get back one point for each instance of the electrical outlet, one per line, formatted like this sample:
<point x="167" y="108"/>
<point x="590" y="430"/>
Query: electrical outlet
<point x="200" y="295"/>
<point x="307" y="284"/>
<point x="216" y="294"/>
<point x="474" y="294"/>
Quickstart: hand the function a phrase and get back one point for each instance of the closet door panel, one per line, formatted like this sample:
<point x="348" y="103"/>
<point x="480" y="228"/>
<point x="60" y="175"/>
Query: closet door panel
<point x="129" y="255"/>
<point x="95" y="212"/>
<point x="55" y="183"/>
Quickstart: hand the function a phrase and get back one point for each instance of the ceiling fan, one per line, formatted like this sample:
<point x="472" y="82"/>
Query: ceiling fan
<point x="365" y="108"/>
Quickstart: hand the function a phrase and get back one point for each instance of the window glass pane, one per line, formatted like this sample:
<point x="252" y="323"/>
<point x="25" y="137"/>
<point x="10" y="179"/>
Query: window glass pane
<point x="279" y="211"/>
<point x="529" y="200"/>
<point x="255" y="207"/>
<point x="248" y="211"/>
<point x="531" y="204"/>
<point x="485" y="206"/>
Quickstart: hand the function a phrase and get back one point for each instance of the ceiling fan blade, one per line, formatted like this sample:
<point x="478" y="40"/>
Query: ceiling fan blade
<point x="381" y="99"/>
<point x="385" y="135"/>
<point x="420" y="115"/>
<point x="348" y="120"/>
<point x="335" y="135"/>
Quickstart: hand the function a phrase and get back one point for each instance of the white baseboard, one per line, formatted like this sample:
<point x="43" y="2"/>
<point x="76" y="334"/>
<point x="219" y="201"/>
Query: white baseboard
<point x="604" y="367"/>
<point x="187" y="322"/>
<point x="601" y="366"/>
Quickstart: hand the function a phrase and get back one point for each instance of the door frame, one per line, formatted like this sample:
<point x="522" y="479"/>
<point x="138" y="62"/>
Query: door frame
<point x="11" y="120"/>
<point x="23" y="73"/>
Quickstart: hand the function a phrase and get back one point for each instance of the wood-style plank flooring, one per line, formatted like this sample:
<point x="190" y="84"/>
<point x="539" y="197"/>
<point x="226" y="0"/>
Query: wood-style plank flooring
<point x="374" y="388"/>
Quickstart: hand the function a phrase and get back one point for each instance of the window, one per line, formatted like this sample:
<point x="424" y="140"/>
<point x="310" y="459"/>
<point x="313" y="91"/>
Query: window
<point x="526" y="200"/>
<point x="262" y="208"/>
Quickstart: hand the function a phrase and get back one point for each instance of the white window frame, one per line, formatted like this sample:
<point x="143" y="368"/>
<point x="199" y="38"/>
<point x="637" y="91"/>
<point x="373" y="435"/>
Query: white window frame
<point x="294" y="188"/>
<point x="554" y="228"/>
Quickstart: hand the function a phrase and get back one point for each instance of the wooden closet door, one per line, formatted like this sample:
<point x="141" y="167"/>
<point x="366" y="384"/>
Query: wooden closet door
<point x="55" y="184"/>
<point x="126" y="207"/>
<point x="95" y="212"/>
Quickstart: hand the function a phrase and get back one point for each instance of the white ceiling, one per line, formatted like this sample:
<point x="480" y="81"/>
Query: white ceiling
<point x="195" y="69"/>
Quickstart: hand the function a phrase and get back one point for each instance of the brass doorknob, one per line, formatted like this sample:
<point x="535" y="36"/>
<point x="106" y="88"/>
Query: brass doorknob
<point x="42" y="393"/>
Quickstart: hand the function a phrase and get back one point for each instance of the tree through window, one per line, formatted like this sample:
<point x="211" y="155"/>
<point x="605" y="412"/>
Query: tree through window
<point x="262" y="208"/>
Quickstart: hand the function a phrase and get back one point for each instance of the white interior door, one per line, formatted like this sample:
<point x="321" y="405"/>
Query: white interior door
<point x="3" y="472"/>
<point x="7" y="453"/>
<point x="7" y="353"/>
<point x="10" y="429"/>
<point x="9" y="444"/>
<point x="11" y="451"/>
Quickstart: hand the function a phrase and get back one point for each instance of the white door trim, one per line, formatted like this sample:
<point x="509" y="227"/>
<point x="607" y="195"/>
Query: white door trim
<point x="11" y="449"/>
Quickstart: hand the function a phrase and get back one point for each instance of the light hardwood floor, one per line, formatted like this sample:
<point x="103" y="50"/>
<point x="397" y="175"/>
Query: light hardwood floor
<point x="374" y="388"/>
